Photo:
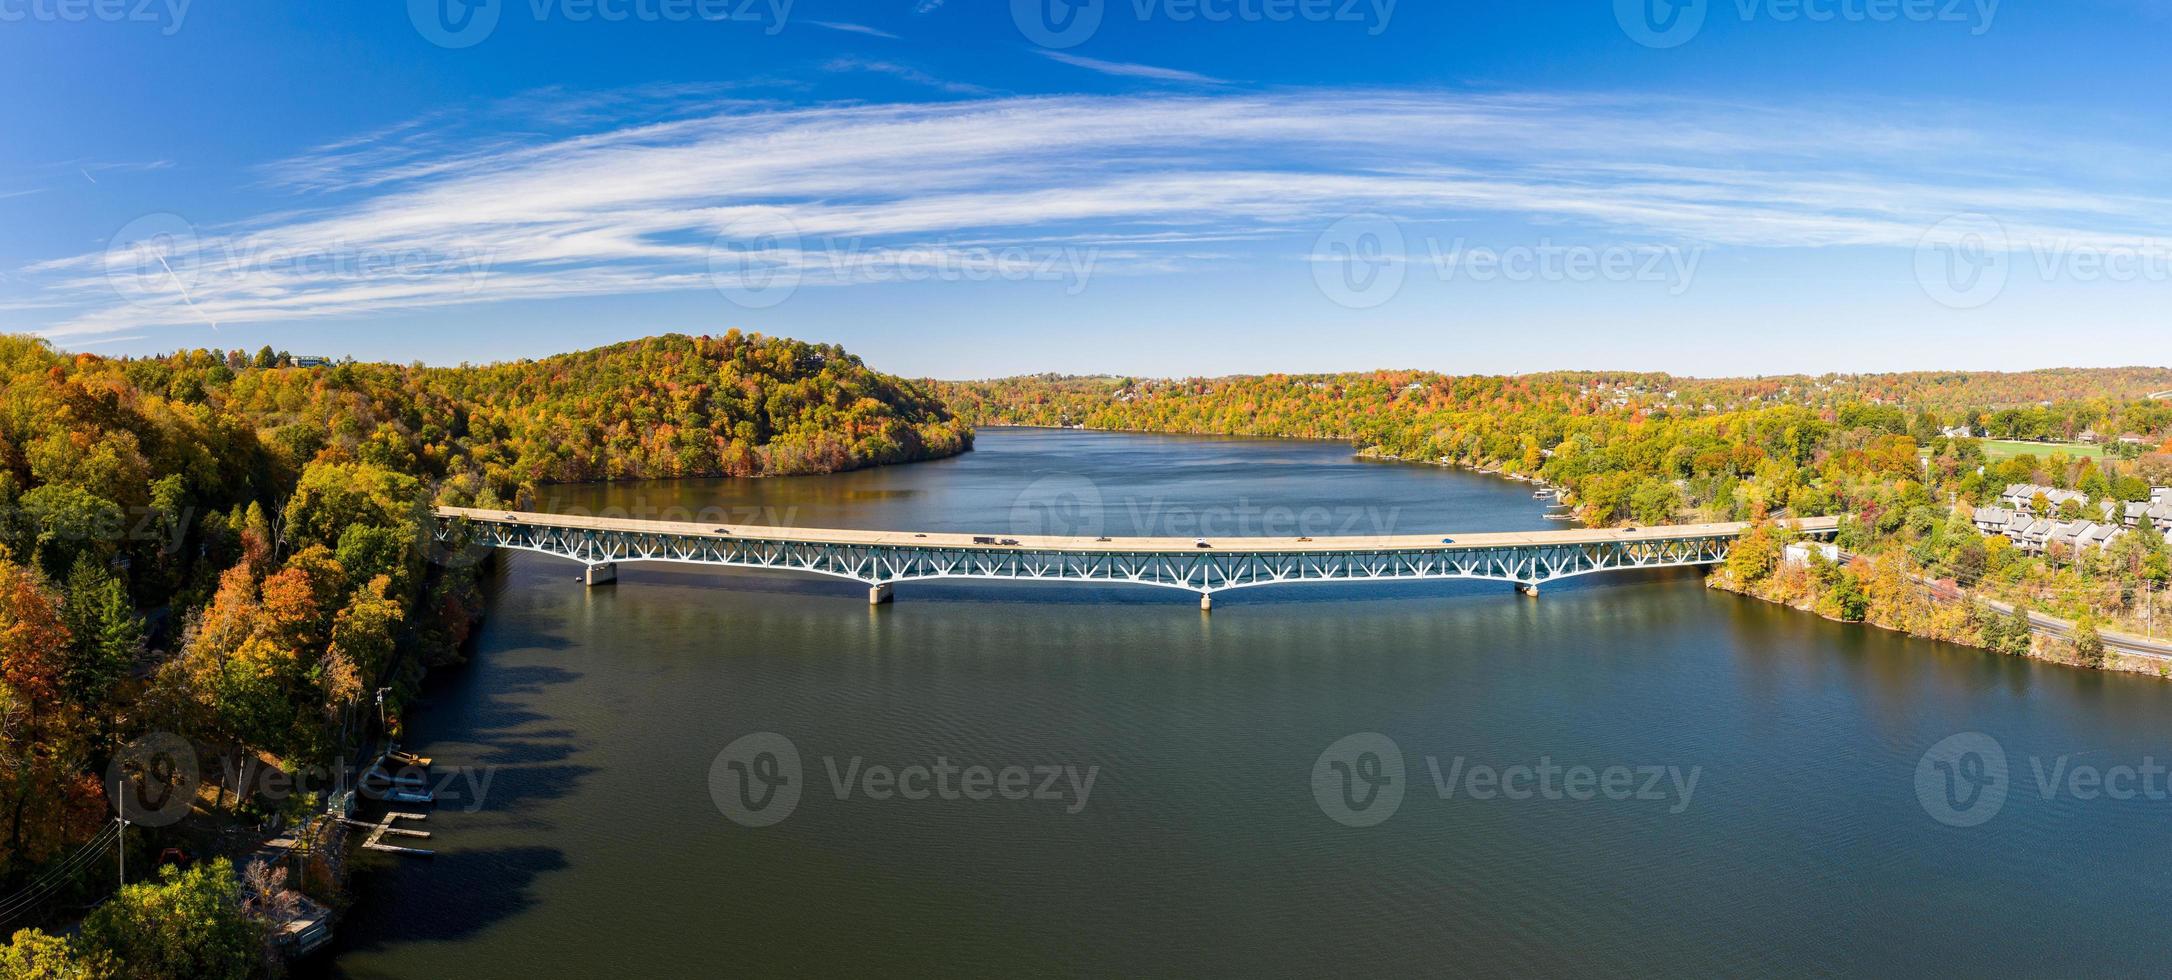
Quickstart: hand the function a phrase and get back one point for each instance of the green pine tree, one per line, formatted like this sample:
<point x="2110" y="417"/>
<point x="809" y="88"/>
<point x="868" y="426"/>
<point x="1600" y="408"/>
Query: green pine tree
<point x="106" y="634"/>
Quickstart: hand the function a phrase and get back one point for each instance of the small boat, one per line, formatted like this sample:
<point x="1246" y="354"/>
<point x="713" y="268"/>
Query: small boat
<point x="402" y="788"/>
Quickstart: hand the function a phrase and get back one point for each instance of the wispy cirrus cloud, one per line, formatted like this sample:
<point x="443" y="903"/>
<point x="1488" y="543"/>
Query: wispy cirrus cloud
<point x="851" y="28"/>
<point x="433" y="214"/>
<point x="1127" y="70"/>
<point x="905" y="73"/>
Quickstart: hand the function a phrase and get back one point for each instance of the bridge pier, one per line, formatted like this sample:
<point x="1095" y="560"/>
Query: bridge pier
<point x="879" y="594"/>
<point x="602" y="574"/>
<point x="1206" y="602"/>
<point x="1528" y="588"/>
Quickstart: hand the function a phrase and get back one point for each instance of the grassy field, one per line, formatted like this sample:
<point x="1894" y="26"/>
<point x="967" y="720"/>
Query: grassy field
<point x="1998" y="449"/>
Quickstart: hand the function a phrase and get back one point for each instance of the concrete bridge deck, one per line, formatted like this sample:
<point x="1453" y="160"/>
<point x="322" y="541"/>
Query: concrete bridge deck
<point x="881" y="558"/>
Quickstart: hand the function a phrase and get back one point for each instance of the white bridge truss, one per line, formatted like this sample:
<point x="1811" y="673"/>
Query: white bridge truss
<point x="1203" y="571"/>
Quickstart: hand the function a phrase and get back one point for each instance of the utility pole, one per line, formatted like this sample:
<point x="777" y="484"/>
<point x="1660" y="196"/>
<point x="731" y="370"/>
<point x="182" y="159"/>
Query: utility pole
<point x="124" y="849"/>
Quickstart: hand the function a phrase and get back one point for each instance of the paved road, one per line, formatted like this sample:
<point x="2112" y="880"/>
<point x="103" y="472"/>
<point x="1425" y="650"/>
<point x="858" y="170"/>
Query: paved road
<point x="2127" y="643"/>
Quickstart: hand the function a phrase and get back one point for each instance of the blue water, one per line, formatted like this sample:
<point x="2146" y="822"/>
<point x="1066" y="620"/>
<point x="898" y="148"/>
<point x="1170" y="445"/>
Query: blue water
<point x="1203" y="849"/>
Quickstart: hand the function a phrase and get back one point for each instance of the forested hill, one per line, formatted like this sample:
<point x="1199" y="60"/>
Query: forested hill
<point x="1329" y="405"/>
<point x="235" y="548"/>
<point x="1649" y="447"/>
<point x="668" y="406"/>
<point x="674" y="406"/>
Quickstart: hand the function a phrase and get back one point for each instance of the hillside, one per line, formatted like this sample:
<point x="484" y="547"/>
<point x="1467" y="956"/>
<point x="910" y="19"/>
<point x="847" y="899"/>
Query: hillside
<point x="668" y="406"/>
<point x="1328" y="405"/>
<point x="236" y="549"/>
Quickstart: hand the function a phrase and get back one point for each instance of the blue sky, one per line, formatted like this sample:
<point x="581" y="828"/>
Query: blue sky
<point x="1152" y="187"/>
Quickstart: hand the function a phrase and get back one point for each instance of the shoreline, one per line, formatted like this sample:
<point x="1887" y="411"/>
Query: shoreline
<point x="2048" y="641"/>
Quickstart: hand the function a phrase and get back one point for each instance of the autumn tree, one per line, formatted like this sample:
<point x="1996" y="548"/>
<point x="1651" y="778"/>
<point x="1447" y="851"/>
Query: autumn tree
<point x="187" y="925"/>
<point x="47" y="799"/>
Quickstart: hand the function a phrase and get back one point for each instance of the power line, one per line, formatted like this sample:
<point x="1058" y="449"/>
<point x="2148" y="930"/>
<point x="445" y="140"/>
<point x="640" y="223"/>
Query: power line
<point x="59" y="875"/>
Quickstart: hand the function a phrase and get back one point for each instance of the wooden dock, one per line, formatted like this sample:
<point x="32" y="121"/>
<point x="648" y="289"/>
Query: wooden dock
<point x="376" y="840"/>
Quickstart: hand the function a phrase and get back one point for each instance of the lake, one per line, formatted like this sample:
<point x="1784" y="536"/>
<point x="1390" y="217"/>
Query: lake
<point x="698" y="772"/>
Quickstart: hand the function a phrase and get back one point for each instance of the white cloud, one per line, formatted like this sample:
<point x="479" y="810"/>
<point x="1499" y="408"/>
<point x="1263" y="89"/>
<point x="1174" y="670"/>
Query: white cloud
<point x="905" y="72"/>
<point x="431" y="217"/>
<point x="1126" y="70"/>
<point x="851" y="28"/>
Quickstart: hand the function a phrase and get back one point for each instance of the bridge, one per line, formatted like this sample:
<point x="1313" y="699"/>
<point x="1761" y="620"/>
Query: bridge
<point x="881" y="559"/>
